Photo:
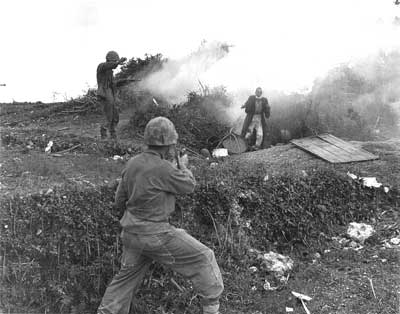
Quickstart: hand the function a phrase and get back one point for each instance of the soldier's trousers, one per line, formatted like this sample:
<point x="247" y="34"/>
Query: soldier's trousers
<point x="111" y="115"/>
<point x="175" y="249"/>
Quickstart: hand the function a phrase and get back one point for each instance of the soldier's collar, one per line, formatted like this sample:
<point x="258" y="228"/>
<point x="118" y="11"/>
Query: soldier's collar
<point x="153" y="152"/>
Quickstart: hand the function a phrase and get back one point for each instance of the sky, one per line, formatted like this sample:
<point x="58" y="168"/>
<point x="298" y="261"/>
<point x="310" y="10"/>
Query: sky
<point x="51" y="48"/>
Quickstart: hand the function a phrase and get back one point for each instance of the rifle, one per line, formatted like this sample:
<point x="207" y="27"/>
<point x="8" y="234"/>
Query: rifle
<point x="124" y="82"/>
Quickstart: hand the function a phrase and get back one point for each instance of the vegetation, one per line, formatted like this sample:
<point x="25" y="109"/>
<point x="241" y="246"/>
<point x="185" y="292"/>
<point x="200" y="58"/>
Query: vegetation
<point x="198" y="121"/>
<point x="61" y="248"/>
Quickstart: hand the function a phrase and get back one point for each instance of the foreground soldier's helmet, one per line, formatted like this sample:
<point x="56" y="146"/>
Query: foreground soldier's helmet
<point x="160" y="131"/>
<point x="112" y="56"/>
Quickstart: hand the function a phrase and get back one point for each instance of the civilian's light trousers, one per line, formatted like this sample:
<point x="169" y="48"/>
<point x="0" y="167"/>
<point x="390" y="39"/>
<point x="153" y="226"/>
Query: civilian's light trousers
<point x="175" y="249"/>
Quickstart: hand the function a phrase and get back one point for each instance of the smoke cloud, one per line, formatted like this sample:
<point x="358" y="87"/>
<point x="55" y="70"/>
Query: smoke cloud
<point x="177" y="78"/>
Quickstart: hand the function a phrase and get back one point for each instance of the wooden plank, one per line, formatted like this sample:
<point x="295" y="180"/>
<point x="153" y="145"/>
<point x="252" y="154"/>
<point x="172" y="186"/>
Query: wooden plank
<point x="317" y="147"/>
<point x="333" y="149"/>
<point x="339" y="142"/>
<point x="360" y="154"/>
<point x="312" y="146"/>
<point x="340" y="155"/>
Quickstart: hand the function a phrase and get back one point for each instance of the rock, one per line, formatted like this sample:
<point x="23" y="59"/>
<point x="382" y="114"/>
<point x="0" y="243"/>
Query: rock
<point x="205" y="153"/>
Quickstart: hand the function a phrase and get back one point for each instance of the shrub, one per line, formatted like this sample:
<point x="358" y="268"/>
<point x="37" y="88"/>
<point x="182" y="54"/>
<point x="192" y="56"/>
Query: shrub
<point x="61" y="249"/>
<point x="197" y="121"/>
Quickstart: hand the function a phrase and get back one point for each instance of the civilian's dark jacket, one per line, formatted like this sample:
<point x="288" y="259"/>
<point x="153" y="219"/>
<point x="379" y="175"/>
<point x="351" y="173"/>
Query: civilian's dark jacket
<point x="251" y="104"/>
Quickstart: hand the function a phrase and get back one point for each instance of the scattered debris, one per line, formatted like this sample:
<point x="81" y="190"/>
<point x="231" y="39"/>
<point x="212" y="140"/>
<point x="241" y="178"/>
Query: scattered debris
<point x="117" y="157"/>
<point x="253" y="269"/>
<point x="277" y="264"/>
<point x="48" y="148"/>
<point x="369" y="182"/>
<point x="360" y="231"/>
<point x="392" y="243"/>
<point x="267" y="286"/>
<point x="372" y="287"/>
<point x="395" y="241"/>
<point x="289" y="309"/>
<point x="30" y="145"/>
<point x="213" y="164"/>
<point x="351" y="175"/>
<point x="302" y="298"/>
<point x="220" y="152"/>
<point x="317" y="255"/>
<point x="386" y="189"/>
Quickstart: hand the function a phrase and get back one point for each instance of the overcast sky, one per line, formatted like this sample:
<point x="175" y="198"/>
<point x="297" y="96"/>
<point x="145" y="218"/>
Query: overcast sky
<point x="54" y="46"/>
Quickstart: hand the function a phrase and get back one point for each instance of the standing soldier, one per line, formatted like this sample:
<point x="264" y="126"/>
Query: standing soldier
<point x="106" y="93"/>
<point x="147" y="195"/>
<point x="256" y="107"/>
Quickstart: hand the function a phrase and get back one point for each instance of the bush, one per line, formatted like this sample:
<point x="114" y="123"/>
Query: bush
<point x="61" y="249"/>
<point x="198" y="121"/>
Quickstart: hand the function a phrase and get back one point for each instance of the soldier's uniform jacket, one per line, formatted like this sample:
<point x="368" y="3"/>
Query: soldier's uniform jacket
<point x="105" y="78"/>
<point x="147" y="192"/>
<point x="256" y="105"/>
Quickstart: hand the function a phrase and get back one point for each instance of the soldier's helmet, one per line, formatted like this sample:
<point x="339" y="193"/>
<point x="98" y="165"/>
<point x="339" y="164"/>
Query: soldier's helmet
<point x="160" y="131"/>
<point x="112" y="56"/>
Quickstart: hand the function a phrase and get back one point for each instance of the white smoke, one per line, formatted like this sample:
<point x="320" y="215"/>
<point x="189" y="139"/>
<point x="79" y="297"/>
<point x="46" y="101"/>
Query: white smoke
<point x="177" y="78"/>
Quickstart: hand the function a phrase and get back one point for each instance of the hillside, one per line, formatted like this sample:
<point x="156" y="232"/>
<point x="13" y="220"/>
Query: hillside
<point x="59" y="240"/>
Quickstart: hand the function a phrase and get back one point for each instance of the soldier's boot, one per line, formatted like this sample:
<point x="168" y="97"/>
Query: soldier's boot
<point x="103" y="132"/>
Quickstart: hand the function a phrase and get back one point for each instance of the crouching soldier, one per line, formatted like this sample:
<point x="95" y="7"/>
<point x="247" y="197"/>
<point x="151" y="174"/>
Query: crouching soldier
<point x="106" y="93"/>
<point x="257" y="107"/>
<point x="147" y="194"/>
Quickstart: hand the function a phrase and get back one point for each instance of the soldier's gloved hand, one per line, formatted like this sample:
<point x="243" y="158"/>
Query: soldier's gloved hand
<point x="122" y="60"/>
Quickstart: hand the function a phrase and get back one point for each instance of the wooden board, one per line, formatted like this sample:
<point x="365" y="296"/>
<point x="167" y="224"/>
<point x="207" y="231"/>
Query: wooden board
<point x="333" y="149"/>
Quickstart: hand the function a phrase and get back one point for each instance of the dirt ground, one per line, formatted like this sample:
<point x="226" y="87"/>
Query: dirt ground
<point x="339" y="278"/>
